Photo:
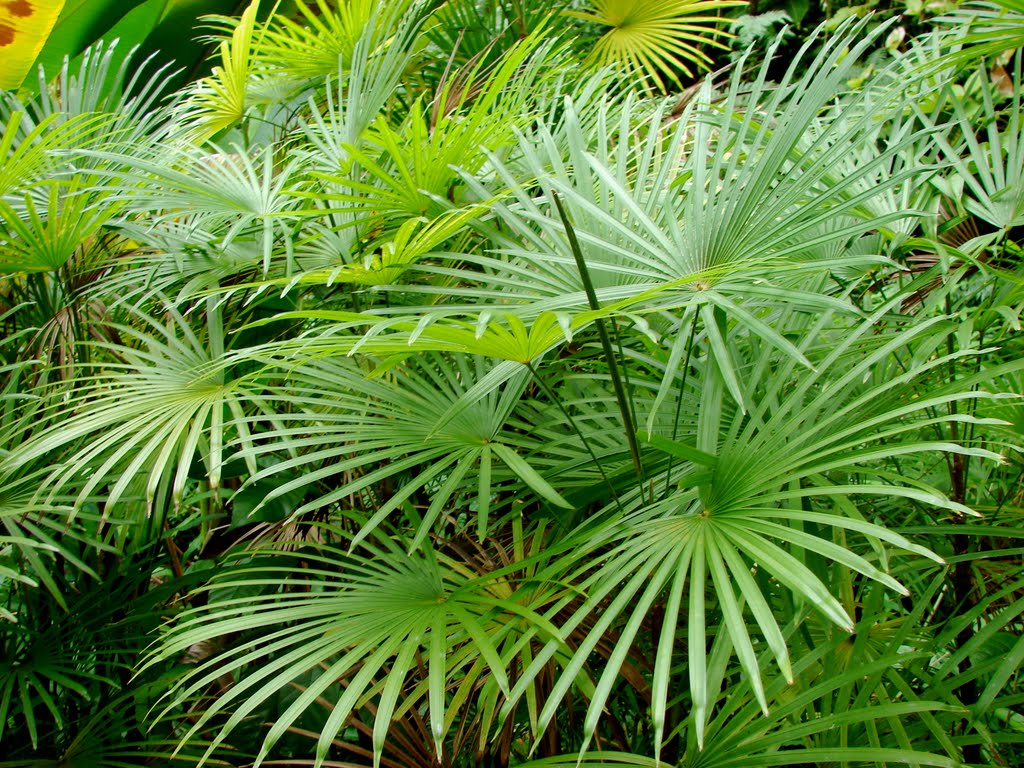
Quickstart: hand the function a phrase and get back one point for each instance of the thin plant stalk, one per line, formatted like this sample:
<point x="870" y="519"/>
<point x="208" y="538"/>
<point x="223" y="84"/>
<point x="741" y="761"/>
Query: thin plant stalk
<point x="606" y="344"/>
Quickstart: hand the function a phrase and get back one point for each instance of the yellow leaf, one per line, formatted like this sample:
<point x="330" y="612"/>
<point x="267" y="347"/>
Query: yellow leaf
<point x="24" y="27"/>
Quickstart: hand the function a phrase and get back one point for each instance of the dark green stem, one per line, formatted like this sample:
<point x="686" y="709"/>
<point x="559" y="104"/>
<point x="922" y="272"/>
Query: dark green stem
<point x="606" y="344"/>
<point x="572" y="423"/>
<point x="679" y="399"/>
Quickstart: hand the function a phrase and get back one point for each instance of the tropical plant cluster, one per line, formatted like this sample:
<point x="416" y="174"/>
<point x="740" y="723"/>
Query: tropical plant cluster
<point x="477" y="384"/>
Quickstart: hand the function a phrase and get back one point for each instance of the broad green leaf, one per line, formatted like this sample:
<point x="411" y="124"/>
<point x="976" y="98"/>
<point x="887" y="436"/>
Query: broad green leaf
<point x="24" y="27"/>
<point x="80" y="24"/>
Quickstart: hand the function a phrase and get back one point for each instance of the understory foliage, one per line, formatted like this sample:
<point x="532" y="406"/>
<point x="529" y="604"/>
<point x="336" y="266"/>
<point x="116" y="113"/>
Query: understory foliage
<point x="425" y="386"/>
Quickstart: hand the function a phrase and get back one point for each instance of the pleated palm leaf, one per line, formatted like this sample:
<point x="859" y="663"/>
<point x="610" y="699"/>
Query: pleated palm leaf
<point x="766" y="483"/>
<point x="269" y="70"/>
<point x="983" y="29"/>
<point x="409" y="169"/>
<point x="853" y="699"/>
<point x="988" y="157"/>
<point x="156" y="404"/>
<point x="55" y="219"/>
<point x="765" y="490"/>
<point x="37" y="539"/>
<point x="658" y="40"/>
<point x="29" y="178"/>
<point x="674" y="216"/>
<point x="464" y="33"/>
<point x="67" y="691"/>
<point x="324" y="36"/>
<point x="370" y="623"/>
<point x="678" y="212"/>
<point x="435" y="426"/>
<point x="776" y="486"/>
<point x="51" y="204"/>
<point x="213" y="216"/>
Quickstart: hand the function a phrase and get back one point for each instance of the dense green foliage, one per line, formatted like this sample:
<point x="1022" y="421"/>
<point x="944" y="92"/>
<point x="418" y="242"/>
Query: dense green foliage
<point x="466" y="384"/>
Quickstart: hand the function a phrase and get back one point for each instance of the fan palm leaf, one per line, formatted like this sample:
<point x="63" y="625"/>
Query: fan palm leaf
<point x="434" y="422"/>
<point x="666" y="213"/>
<point x="325" y="35"/>
<point x="989" y="165"/>
<point x="735" y="508"/>
<point x="656" y="38"/>
<point x="372" y="616"/>
<point x="409" y="169"/>
<point x="34" y="536"/>
<point x="60" y="204"/>
<point x="150" y="411"/>
<point x="983" y="29"/>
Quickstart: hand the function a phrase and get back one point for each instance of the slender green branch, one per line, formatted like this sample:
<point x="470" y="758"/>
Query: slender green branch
<point x="606" y="344"/>
<point x="572" y="423"/>
<point x="679" y="399"/>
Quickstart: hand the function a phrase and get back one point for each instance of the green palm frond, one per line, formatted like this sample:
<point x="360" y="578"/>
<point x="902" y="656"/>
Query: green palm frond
<point x="33" y="666"/>
<point x="228" y="206"/>
<point x="58" y="208"/>
<point x="989" y="160"/>
<point x="828" y="711"/>
<point x="448" y="401"/>
<point x="324" y="36"/>
<point x="47" y="227"/>
<point x="30" y="149"/>
<point x="389" y="257"/>
<point x="150" y="412"/>
<point x="667" y="212"/>
<point x="225" y="98"/>
<point x="410" y="169"/>
<point x="356" y="96"/>
<point x="37" y="539"/>
<point x="983" y="29"/>
<point x="79" y="88"/>
<point x="438" y="426"/>
<point x="65" y="693"/>
<point x="268" y="69"/>
<point x="496" y="335"/>
<point x="994" y="652"/>
<point x="464" y="33"/>
<point x="782" y="468"/>
<point x="374" y="624"/>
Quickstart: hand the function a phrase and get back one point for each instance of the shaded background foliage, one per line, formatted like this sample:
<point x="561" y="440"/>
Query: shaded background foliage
<point x="470" y="383"/>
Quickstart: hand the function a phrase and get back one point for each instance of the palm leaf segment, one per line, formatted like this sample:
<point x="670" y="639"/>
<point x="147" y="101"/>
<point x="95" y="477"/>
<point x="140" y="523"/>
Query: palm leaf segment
<point x="762" y="493"/>
<point x="669" y="209"/>
<point x="170" y="402"/>
<point x="53" y="200"/>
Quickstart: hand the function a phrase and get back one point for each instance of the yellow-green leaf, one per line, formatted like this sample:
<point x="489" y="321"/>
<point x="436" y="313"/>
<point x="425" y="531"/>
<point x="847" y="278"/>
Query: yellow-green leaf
<point x="24" y="27"/>
<point x="655" y="38"/>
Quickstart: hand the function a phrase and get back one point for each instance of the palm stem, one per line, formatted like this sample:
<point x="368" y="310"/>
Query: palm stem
<point x="572" y="423"/>
<point x="679" y="399"/>
<point x="606" y="344"/>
